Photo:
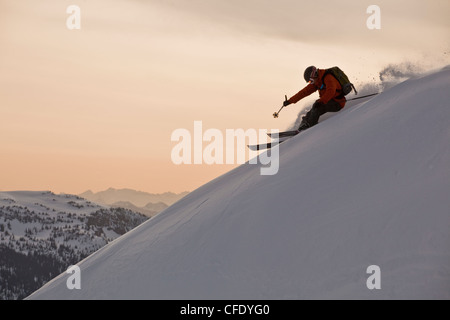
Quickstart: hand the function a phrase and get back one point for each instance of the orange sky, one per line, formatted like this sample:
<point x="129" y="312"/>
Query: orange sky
<point x="95" y="108"/>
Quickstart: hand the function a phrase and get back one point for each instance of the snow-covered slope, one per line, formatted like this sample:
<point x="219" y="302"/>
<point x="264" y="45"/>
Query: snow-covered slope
<point x="368" y="186"/>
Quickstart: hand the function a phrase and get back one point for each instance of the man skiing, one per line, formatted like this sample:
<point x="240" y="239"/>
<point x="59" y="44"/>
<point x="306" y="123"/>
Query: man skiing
<point x="331" y="96"/>
<point x="333" y="85"/>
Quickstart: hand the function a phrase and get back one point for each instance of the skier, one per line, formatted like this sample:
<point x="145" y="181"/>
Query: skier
<point x="330" y="92"/>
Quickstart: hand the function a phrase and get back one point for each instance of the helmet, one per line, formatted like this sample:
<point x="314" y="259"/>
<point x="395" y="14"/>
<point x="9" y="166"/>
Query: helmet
<point x="309" y="73"/>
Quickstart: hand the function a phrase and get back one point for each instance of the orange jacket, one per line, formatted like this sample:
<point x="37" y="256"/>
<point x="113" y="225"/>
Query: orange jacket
<point x="331" y="89"/>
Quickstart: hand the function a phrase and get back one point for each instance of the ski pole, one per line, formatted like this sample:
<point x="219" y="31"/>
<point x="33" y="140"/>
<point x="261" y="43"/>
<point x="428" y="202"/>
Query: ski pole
<point x="275" y="114"/>
<point x="369" y="95"/>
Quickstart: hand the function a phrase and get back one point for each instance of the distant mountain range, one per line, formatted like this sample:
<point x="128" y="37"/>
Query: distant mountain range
<point x="42" y="234"/>
<point x="150" y="210"/>
<point x="139" y="199"/>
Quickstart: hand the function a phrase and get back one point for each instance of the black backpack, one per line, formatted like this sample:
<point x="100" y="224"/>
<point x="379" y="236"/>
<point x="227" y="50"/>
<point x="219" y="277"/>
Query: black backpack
<point x="340" y="76"/>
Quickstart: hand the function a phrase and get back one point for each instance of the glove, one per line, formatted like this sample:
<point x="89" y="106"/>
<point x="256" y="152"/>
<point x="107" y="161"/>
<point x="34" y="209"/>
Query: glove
<point x="286" y="103"/>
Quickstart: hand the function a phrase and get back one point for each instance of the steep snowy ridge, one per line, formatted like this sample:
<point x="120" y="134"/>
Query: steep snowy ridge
<point x="368" y="186"/>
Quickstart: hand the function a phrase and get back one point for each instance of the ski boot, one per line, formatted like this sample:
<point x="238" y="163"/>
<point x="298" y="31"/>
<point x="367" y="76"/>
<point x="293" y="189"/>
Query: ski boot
<point x="303" y="125"/>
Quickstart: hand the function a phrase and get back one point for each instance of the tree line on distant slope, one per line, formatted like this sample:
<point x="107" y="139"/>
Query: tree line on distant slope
<point x="49" y="244"/>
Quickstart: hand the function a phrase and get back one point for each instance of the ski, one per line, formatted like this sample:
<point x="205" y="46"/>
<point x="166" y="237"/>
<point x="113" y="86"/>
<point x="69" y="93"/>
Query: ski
<point x="284" y="134"/>
<point x="264" y="146"/>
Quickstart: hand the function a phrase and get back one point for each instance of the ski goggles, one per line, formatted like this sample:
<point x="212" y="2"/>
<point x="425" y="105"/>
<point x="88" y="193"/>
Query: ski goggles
<point x="313" y="75"/>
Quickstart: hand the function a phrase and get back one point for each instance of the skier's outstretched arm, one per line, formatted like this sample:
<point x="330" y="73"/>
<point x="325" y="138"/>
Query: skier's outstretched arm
<point x="306" y="91"/>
